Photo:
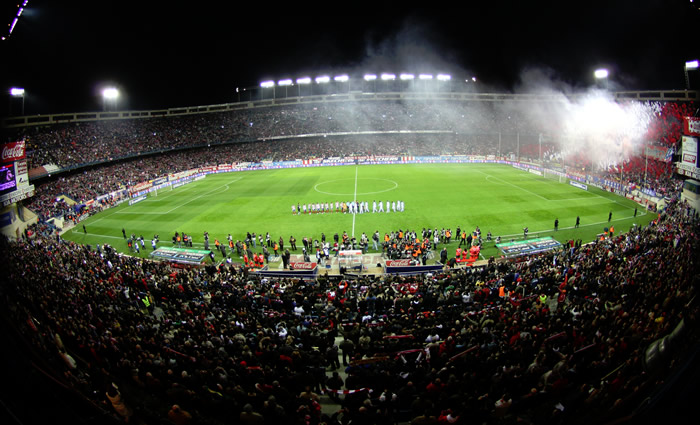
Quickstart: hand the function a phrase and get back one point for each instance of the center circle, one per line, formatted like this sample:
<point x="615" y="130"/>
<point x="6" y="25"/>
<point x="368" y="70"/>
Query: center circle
<point x="393" y="185"/>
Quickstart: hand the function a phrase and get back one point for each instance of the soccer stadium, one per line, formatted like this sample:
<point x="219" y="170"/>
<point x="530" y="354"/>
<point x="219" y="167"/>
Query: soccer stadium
<point x="412" y="255"/>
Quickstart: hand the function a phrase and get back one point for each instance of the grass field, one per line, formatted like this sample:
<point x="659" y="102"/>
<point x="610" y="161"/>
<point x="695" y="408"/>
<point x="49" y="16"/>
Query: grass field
<point x="497" y="198"/>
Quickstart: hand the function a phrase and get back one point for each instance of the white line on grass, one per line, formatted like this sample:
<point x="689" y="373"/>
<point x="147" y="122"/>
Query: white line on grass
<point x="97" y="235"/>
<point x="172" y="193"/>
<point x="515" y="186"/>
<point x="226" y="185"/>
<point x="354" y="199"/>
<point x="565" y="228"/>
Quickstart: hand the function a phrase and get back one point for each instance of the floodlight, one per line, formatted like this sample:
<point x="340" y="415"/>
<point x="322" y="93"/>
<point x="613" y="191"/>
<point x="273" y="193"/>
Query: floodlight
<point x="341" y="78"/>
<point x="287" y="82"/>
<point x="474" y="79"/>
<point x="425" y="77"/>
<point x="405" y="77"/>
<point x="17" y="92"/>
<point x="267" y="84"/>
<point x="691" y="65"/>
<point x="323" y="79"/>
<point x="443" y="77"/>
<point x="601" y="73"/>
<point x="110" y="93"/>
<point x="386" y="77"/>
<point x="370" y="77"/>
<point x="304" y="80"/>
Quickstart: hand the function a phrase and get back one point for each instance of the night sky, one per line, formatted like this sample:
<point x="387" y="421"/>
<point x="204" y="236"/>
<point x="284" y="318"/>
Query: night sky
<point x="176" y="53"/>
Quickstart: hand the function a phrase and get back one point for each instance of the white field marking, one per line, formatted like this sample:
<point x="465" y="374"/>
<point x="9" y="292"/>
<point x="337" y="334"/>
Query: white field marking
<point x="515" y="186"/>
<point x="354" y="198"/>
<point x="172" y="193"/>
<point x="563" y="228"/>
<point x="105" y="216"/>
<point x="74" y="230"/>
<point x="363" y="193"/>
<point x="226" y="186"/>
<point x="533" y="177"/>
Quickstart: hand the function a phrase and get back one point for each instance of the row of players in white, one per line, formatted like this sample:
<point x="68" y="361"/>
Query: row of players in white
<point x="352" y="207"/>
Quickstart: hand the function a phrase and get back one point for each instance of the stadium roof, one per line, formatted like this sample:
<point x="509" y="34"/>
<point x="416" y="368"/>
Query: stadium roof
<point x="168" y="54"/>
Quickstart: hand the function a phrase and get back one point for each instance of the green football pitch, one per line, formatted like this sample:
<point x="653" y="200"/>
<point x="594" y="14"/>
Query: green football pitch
<point x="497" y="198"/>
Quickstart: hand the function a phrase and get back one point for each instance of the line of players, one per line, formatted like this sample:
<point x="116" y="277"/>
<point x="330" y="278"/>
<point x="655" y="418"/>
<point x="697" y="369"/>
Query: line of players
<point x="352" y="207"/>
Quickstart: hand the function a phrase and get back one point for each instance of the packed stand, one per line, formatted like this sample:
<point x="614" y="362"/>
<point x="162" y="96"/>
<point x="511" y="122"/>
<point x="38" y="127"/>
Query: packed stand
<point x="552" y="339"/>
<point x="73" y="144"/>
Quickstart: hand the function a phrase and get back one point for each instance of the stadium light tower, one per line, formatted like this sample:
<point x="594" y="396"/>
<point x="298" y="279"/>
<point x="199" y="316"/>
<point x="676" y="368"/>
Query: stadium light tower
<point x="690" y="66"/>
<point x="320" y="80"/>
<point x="602" y="75"/>
<point x="387" y="76"/>
<point x="285" y="83"/>
<point x="373" y="78"/>
<point x="443" y="78"/>
<point x="266" y="85"/>
<point x="109" y="95"/>
<point x="304" y="81"/>
<point x="18" y="92"/>
<point x="342" y="79"/>
<point x="425" y="78"/>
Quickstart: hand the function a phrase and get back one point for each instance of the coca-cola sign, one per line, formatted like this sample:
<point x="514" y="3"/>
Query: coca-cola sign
<point x="692" y="126"/>
<point x="13" y="151"/>
<point x="303" y="266"/>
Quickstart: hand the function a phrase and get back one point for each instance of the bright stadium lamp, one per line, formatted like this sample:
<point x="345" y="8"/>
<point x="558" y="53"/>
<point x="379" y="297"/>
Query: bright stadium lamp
<point x="109" y="95"/>
<point x="444" y="78"/>
<point x="285" y="83"/>
<point x="406" y="77"/>
<point x="689" y="66"/>
<point x="602" y="75"/>
<point x="344" y="78"/>
<point x="18" y="92"/>
<point x="266" y="85"/>
<point x="387" y="77"/>
<point x="371" y="78"/>
<point x="425" y="77"/>
<point x="323" y="79"/>
<point x="302" y="82"/>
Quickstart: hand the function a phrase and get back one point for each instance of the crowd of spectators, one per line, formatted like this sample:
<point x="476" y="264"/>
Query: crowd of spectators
<point x="185" y="142"/>
<point x="71" y="144"/>
<point x="551" y="339"/>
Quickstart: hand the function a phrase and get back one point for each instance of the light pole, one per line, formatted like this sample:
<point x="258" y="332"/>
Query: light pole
<point x="443" y="78"/>
<point x="342" y="79"/>
<point x="602" y="74"/>
<point x="303" y="81"/>
<point x="425" y="78"/>
<point x="322" y="79"/>
<point x="264" y="85"/>
<point x="690" y="66"/>
<point x="388" y="77"/>
<point x="110" y="94"/>
<point x="18" y="92"/>
<point x="285" y="83"/>
<point x="373" y="78"/>
<point x="408" y="78"/>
